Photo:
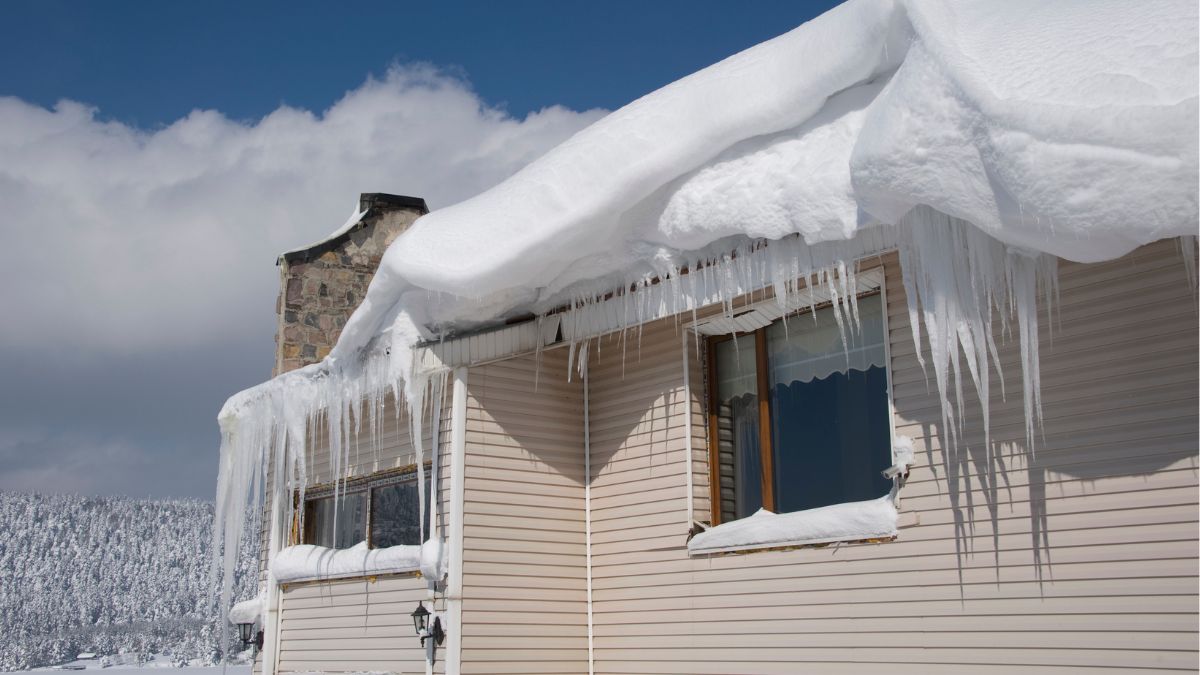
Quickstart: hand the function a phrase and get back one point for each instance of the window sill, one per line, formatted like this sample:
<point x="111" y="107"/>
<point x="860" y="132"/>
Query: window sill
<point x="306" y="562"/>
<point x="871" y="521"/>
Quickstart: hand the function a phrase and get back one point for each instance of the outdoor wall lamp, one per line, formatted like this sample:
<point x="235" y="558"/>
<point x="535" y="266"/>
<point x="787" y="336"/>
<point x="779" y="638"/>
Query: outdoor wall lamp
<point x="249" y="637"/>
<point x="420" y="617"/>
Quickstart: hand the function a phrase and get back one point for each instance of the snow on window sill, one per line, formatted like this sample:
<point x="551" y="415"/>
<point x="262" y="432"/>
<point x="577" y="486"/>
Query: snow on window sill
<point x="852" y="521"/>
<point x="306" y="562"/>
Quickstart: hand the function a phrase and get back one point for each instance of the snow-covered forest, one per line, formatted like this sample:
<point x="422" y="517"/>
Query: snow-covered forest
<point x="109" y="575"/>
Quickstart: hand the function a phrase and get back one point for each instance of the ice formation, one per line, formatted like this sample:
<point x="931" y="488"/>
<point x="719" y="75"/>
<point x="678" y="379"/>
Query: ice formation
<point x="852" y="521"/>
<point x="306" y="562"/>
<point x="978" y="139"/>
<point x="903" y="456"/>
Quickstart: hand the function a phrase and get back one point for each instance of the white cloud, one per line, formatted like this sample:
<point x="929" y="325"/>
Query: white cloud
<point x="118" y="240"/>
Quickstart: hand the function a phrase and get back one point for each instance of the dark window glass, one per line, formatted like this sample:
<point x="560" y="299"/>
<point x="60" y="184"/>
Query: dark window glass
<point x="830" y="432"/>
<point x="739" y="452"/>
<point x="395" y="513"/>
<point x="336" y="522"/>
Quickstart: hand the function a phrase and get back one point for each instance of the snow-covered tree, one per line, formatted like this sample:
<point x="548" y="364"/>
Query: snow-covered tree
<point x="110" y="575"/>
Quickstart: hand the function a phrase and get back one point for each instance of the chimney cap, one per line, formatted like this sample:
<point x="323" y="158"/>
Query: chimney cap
<point x="369" y="204"/>
<point x="383" y="200"/>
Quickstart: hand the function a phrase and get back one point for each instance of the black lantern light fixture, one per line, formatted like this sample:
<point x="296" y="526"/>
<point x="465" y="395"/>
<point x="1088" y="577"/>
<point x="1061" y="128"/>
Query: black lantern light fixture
<point x="424" y="629"/>
<point x="420" y="618"/>
<point x="248" y="636"/>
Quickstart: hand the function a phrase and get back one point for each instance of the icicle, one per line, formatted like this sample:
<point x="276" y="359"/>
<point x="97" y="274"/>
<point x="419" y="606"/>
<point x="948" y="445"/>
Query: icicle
<point x="416" y="431"/>
<point x="1187" y="249"/>
<point x="1024" y="290"/>
<point x="955" y="275"/>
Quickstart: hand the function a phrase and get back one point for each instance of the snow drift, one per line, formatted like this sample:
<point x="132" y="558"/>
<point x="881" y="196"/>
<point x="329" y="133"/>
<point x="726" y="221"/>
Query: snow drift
<point x="981" y="139"/>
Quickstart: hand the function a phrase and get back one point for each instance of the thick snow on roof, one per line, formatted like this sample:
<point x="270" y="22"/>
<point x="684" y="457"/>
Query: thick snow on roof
<point x="1068" y="128"/>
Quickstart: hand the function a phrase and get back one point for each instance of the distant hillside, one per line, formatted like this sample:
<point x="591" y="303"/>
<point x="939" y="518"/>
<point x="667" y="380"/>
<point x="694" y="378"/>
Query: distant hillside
<point x="107" y="575"/>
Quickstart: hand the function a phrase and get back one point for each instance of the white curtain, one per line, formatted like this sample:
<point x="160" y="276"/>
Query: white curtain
<point x="805" y="350"/>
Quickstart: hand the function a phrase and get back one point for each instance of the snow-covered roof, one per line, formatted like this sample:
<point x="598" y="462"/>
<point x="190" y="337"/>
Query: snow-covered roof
<point x="1066" y="127"/>
<point x="981" y="133"/>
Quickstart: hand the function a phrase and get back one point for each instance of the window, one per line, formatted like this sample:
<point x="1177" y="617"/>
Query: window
<point x="335" y="522"/>
<point x="382" y="509"/>
<point x="800" y="418"/>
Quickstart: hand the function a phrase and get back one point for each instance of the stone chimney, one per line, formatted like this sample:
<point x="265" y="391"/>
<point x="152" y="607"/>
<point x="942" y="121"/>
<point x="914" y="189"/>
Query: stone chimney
<point x="321" y="285"/>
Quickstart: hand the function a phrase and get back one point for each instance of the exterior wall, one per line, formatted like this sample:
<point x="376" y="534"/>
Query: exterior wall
<point x="364" y="624"/>
<point x="354" y="625"/>
<point x="1081" y="557"/>
<point x="321" y="286"/>
<point x="524" y="604"/>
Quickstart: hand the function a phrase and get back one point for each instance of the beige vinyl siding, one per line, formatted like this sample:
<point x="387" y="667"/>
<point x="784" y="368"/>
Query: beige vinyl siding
<point x="352" y="625"/>
<point x="524" y="604"/>
<point x="1081" y="558"/>
<point x="365" y="624"/>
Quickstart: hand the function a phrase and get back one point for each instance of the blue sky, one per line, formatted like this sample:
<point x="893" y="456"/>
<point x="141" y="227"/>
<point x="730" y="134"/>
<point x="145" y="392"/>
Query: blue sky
<point x="149" y="63"/>
<point x="156" y="157"/>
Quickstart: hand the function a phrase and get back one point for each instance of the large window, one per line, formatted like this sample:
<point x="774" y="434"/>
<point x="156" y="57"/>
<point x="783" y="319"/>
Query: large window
<point x="383" y="510"/>
<point x="801" y="419"/>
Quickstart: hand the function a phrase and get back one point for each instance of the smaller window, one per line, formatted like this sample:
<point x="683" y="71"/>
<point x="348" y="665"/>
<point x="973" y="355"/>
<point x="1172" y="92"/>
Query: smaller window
<point x="336" y="522"/>
<point x="383" y="510"/>
<point x="396" y="513"/>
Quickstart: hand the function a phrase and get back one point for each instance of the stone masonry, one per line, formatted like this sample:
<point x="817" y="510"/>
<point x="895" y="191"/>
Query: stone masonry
<point x="320" y="286"/>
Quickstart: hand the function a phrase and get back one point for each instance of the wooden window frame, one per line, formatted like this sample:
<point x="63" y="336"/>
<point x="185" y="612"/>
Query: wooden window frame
<point x="762" y="374"/>
<point x="364" y="484"/>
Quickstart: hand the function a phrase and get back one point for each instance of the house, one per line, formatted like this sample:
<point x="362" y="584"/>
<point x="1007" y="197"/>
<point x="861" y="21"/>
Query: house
<point x="761" y="425"/>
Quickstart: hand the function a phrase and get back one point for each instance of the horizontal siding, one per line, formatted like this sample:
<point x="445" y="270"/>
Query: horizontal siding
<point x="361" y="625"/>
<point x="1080" y="557"/>
<point x="524" y="604"/>
<point x="351" y="626"/>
